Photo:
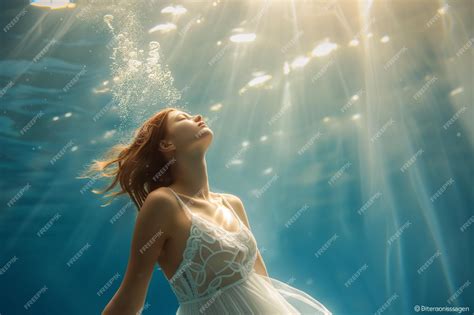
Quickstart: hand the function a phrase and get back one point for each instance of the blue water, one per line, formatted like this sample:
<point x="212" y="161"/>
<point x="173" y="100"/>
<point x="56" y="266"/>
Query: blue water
<point x="345" y="127"/>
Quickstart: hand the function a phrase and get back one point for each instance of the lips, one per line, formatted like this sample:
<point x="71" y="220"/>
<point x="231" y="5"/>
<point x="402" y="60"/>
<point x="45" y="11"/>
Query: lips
<point x="201" y="124"/>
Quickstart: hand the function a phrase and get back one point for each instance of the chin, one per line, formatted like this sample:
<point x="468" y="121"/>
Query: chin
<point x="204" y="133"/>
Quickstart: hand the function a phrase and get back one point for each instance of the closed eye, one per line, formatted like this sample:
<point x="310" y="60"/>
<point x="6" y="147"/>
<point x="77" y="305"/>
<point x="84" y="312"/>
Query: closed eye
<point x="183" y="116"/>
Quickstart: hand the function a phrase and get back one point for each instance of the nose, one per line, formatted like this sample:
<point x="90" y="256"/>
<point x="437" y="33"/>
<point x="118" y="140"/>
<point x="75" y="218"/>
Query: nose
<point x="198" y="118"/>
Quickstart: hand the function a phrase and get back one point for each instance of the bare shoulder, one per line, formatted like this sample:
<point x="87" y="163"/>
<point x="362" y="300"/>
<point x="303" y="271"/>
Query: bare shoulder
<point x="233" y="200"/>
<point x="159" y="207"/>
<point x="238" y="206"/>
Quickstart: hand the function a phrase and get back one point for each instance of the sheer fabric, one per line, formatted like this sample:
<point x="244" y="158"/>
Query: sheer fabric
<point x="217" y="275"/>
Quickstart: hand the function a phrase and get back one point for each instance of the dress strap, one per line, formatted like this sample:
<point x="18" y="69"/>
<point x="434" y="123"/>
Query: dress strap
<point x="232" y="209"/>
<point x="188" y="211"/>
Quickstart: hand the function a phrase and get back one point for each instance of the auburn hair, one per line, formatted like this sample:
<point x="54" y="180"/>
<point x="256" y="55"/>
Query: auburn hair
<point x="138" y="167"/>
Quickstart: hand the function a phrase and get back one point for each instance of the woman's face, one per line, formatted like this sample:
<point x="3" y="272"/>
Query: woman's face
<point x="188" y="132"/>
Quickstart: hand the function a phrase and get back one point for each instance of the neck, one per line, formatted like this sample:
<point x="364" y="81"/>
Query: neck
<point x="190" y="174"/>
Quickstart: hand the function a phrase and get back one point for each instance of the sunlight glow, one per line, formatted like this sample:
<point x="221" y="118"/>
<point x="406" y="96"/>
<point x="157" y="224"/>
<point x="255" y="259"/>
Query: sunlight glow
<point x="267" y="171"/>
<point x="228" y="216"/>
<point x="299" y="62"/>
<point x="243" y="38"/>
<point x="457" y="91"/>
<point x="286" y="68"/>
<point x="216" y="107"/>
<point x="355" y="117"/>
<point x="385" y="39"/>
<point x="175" y="10"/>
<point x="53" y="4"/>
<point x="163" y="28"/>
<point x="259" y="80"/>
<point x="323" y="49"/>
<point x="354" y="43"/>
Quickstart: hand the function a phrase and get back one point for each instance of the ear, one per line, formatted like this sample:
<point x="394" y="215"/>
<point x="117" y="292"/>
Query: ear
<point x="166" y="146"/>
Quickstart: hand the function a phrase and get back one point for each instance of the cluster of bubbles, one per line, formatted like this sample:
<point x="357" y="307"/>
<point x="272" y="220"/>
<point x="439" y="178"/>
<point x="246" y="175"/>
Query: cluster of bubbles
<point x="141" y="84"/>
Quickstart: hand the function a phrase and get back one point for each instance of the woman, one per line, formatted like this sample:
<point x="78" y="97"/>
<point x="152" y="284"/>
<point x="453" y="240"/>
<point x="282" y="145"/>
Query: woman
<point x="201" y="239"/>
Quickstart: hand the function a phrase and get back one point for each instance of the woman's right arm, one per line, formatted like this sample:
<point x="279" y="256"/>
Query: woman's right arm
<point x="153" y="227"/>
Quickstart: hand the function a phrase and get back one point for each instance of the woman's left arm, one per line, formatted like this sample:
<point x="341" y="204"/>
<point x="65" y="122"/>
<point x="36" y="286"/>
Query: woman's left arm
<point x="238" y="206"/>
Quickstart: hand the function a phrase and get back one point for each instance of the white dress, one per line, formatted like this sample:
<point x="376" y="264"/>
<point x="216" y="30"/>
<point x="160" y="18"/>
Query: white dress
<point x="217" y="275"/>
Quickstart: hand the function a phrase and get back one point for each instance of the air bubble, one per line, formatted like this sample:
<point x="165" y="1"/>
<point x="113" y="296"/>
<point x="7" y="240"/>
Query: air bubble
<point x="108" y="18"/>
<point x="154" y="45"/>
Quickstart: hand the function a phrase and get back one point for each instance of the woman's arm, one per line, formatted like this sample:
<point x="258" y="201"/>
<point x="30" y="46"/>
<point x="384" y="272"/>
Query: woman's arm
<point x="238" y="206"/>
<point x="152" y="228"/>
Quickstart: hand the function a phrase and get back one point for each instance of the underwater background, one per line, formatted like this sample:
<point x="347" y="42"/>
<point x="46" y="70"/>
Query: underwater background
<point x="345" y="127"/>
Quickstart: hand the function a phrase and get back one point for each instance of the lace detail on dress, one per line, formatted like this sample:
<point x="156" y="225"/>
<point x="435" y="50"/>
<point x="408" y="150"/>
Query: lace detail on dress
<point x="213" y="258"/>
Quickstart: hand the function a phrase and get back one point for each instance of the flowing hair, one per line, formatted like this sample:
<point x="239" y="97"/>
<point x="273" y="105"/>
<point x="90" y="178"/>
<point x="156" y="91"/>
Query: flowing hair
<point x="139" y="167"/>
